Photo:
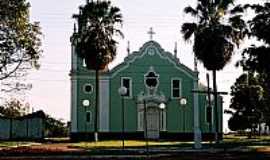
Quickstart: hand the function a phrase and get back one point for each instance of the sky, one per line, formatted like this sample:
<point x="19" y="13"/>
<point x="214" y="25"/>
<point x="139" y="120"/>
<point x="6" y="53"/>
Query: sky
<point x="51" y="83"/>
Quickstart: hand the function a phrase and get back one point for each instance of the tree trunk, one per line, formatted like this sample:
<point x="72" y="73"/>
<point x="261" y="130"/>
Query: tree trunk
<point x="215" y="106"/>
<point x="97" y="106"/>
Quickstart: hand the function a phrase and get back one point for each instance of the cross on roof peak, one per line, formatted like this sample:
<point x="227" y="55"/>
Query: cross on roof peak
<point x="151" y="33"/>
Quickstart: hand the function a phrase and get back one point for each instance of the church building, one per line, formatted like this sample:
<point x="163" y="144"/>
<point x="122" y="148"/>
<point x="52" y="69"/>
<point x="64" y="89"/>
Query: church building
<point x="159" y="102"/>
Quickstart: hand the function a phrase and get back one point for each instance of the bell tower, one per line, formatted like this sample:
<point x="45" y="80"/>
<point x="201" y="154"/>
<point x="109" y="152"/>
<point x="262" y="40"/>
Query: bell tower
<point x="74" y="82"/>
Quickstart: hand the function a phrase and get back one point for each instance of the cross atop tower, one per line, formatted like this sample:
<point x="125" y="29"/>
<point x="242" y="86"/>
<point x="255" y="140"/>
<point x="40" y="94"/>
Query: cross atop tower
<point x="151" y="33"/>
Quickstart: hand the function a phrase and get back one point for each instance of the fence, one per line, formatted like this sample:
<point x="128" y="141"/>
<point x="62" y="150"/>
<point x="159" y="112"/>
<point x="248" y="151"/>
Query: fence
<point x="30" y="126"/>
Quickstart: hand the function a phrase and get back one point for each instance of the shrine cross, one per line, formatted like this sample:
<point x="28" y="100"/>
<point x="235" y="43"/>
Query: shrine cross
<point x="151" y="33"/>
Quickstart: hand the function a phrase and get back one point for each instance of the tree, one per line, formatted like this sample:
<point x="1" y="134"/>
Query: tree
<point x="214" y="36"/>
<point x="19" y="39"/>
<point x="98" y="24"/>
<point x="55" y="127"/>
<point x="14" y="108"/>
<point x="238" y="122"/>
<point x="247" y="101"/>
<point x="255" y="58"/>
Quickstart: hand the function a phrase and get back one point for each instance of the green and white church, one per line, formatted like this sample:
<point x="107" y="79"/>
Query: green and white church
<point x="159" y="102"/>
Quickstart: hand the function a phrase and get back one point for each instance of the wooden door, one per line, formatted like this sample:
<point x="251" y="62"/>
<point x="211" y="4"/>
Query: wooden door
<point x="152" y="117"/>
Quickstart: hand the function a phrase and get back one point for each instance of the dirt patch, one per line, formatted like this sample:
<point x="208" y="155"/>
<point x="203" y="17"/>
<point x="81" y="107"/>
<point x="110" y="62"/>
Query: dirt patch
<point x="60" y="148"/>
<point x="263" y="150"/>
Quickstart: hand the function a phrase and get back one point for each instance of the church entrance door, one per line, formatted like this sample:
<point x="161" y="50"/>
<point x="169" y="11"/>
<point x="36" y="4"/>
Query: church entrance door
<point x="152" y="123"/>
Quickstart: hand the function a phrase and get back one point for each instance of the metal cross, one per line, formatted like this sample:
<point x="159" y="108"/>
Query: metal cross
<point x="151" y="33"/>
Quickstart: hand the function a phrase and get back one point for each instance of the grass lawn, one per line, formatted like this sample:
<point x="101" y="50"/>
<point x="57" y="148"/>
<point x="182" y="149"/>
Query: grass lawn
<point x="229" y="142"/>
<point x="257" y="143"/>
<point x="115" y="144"/>
<point x="258" y="148"/>
<point x="4" y="144"/>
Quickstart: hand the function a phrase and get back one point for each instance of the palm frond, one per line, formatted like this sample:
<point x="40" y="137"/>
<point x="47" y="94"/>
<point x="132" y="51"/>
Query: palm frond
<point x="227" y="111"/>
<point x="98" y="23"/>
<point x="237" y="21"/>
<point x="246" y="6"/>
<point x="204" y="3"/>
<point x="224" y="3"/>
<point x="188" y="29"/>
<point x="191" y="11"/>
<point x="203" y="13"/>
<point x="226" y="30"/>
<point x="237" y="9"/>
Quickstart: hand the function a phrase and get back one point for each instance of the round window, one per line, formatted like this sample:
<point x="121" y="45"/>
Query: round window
<point x="88" y="88"/>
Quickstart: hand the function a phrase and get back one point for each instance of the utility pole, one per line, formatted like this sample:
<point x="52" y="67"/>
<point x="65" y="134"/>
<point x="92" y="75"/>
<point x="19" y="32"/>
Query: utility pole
<point x="215" y="93"/>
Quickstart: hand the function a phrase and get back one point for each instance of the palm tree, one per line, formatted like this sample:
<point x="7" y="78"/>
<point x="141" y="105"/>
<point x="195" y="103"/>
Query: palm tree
<point x="214" y="36"/>
<point x="98" y="24"/>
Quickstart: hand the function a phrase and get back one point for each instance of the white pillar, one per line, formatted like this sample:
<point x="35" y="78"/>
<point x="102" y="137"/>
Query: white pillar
<point x="196" y="116"/>
<point x="73" y="94"/>
<point x="104" y="108"/>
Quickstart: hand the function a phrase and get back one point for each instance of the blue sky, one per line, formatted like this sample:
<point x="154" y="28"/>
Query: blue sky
<point x="51" y="85"/>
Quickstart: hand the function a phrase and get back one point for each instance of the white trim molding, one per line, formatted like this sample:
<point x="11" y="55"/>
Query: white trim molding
<point x="74" y="109"/>
<point x="151" y="69"/>
<point x="158" y="51"/>
<point x="180" y="87"/>
<point x="104" y="105"/>
<point x="130" y="86"/>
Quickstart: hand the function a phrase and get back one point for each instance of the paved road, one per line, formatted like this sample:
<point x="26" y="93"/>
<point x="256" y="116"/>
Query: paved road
<point x="63" y="152"/>
<point x="178" y="156"/>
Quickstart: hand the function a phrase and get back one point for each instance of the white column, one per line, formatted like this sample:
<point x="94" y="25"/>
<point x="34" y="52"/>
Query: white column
<point x="74" y="58"/>
<point x="74" y="110"/>
<point x="196" y="116"/>
<point x="104" y="98"/>
<point x="73" y="90"/>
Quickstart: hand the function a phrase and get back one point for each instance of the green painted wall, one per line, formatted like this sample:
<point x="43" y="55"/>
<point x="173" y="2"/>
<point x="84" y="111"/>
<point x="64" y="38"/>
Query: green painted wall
<point x="166" y="71"/>
<point x="83" y="125"/>
<point x="135" y="67"/>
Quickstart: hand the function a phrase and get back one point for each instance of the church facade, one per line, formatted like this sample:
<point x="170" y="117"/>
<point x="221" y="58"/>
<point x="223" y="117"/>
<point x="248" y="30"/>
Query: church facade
<point x="159" y="102"/>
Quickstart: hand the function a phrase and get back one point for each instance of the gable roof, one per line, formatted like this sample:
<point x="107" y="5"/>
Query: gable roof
<point x="161" y="52"/>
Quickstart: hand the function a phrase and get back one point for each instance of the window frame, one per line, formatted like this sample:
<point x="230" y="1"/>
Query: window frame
<point x="180" y="88"/>
<point x="90" y="117"/>
<point x="163" y="120"/>
<point x="128" y="89"/>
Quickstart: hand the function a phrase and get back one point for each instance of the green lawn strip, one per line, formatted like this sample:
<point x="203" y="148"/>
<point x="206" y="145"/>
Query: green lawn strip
<point x="4" y="144"/>
<point x="117" y="144"/>
<point x="243" y="143"/>
<point x="57" y="139"/>
<point x="229" y="143"/>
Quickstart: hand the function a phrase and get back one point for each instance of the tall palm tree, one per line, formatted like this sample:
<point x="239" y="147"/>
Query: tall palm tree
<point x="214" y="36"/>
<point x="98" y="24"/>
